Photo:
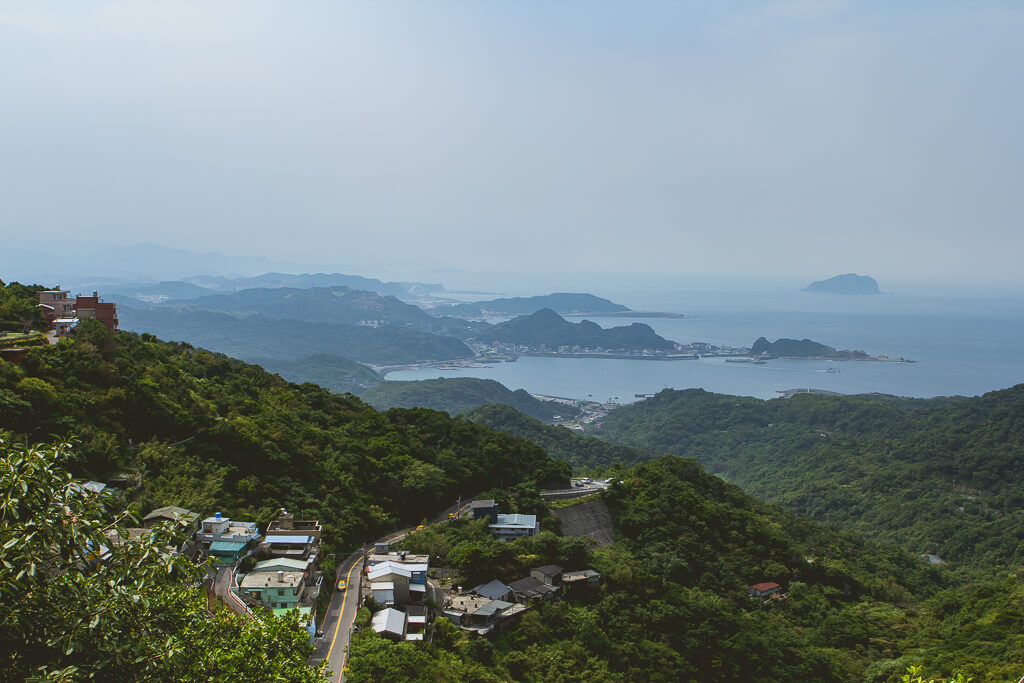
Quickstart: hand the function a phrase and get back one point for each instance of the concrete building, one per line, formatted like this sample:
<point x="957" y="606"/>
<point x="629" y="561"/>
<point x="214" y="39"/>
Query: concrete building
<point x="508" y="527"/>
<point x="280" y="589"/>
<point x="57" y="303"/>
<point x="480" y="615"/>
<point x="484" y="509"/>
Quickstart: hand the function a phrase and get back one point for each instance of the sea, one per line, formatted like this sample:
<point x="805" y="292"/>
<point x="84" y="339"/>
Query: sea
<point x="963" y="345"/>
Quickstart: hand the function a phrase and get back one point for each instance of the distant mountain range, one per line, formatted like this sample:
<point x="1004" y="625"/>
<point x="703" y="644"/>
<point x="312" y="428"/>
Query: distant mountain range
<point x="259" y="336"/>
<point x="850" y="283"/>
<point x="560" y="302"/>
<point x="545" y="327"/>
<point x="206" y="285"/>
<point x="337" y="305"/>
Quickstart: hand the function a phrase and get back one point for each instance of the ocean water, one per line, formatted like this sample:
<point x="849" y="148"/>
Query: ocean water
<point x="962" y="346"/>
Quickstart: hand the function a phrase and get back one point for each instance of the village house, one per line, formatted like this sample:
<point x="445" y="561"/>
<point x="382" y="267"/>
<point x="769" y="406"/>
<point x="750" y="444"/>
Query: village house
<point x="509" y="527"/>
<point x="575" y="583"/>
<point x="225" y="540"/>
<point x="415" y="622"/>
<point x="529" y="590"/>
<point x="289" y="537"/>
<point x="390" y="623"/>
<point x="550" y="574"/>
<point x="495" y="590"/>
<point x="397" y="583"/>
<point x="175" y="514"/>
<point x="64" y="313"/>
<point x="274" y="589"/>
<point x="480" y="615"/>
<point x="763" y="590"/>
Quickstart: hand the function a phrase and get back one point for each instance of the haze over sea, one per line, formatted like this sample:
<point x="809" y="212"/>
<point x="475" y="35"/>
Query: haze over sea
<point x="962" y="345"/>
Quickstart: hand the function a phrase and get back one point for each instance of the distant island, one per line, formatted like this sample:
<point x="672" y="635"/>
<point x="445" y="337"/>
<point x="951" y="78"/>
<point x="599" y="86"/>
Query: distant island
<point x="806" y="348"/>
<point x="565" y="303"/>
<point x="850" y="283"/>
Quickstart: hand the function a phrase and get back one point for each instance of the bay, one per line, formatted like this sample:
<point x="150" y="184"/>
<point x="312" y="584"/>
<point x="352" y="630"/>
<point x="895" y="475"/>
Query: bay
<point x="961" y="346"/>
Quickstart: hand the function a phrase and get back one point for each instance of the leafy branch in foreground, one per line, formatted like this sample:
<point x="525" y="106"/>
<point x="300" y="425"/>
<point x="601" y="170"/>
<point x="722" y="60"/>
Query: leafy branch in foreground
<point x="79" y="600"/>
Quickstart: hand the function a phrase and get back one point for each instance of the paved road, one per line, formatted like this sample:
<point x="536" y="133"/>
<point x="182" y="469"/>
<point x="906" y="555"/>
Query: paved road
<point x="341" y="613"/>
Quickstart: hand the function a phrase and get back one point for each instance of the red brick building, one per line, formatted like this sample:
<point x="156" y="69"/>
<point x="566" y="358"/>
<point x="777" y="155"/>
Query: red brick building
<point x="92" y="307"/>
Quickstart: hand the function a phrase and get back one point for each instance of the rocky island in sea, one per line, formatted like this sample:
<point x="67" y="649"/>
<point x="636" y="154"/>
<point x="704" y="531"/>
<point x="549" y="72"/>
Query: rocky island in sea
<point x="849" y="283"/>
<point x="806" y="348"/>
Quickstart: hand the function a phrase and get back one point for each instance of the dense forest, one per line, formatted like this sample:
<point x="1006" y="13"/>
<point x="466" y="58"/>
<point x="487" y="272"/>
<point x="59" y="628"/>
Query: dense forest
<point x="584" y="453"/>
<point x="324" y="369"/>
<point x="940" y="476"/>
<point x="456" y="395"/>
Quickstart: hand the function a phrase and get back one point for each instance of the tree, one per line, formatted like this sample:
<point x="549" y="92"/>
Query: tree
<point x="78" y="599"/>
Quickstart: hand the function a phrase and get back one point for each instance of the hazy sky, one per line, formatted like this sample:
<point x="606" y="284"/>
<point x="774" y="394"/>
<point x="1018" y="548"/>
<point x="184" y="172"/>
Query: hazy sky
<point x="798" y="136"/>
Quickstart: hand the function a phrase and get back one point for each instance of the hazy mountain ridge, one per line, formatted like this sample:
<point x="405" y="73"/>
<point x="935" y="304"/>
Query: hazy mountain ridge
<point x="561" y="302"/>
<point x="257" y="336"/>
<point x="545" y="327"/>
<point x="456" y="395"/>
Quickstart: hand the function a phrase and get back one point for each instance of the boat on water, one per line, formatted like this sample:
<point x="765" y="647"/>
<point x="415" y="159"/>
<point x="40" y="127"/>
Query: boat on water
<point x="748" y="361"/>
<point x="833" y="371"/>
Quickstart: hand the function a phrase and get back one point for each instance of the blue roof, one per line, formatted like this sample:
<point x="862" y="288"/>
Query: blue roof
<point x="289" y="539"/>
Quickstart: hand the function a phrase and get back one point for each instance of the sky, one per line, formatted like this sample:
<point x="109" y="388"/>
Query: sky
<point x="798" y="137"/>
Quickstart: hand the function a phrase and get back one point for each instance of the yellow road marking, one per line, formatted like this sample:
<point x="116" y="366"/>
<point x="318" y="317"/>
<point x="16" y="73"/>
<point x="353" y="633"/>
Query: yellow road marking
<point x="341" y="614"/>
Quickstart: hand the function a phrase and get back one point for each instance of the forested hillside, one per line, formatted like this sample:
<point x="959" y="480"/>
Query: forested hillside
<point x="941" y="476"/>
<point x="325" y="369"/>
<point x="456" y="395"/>
<point x="673" y="605"/>
<point x="581" y="451"/>
<point x="211" y="433"/>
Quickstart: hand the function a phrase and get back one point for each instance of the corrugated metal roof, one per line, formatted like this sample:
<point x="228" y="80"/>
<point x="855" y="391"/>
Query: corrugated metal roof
<point x="389" y="621"/>
<point x="492" y="589"/>
<point x="492" y="607"/>
<point x="515" y="520"/>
